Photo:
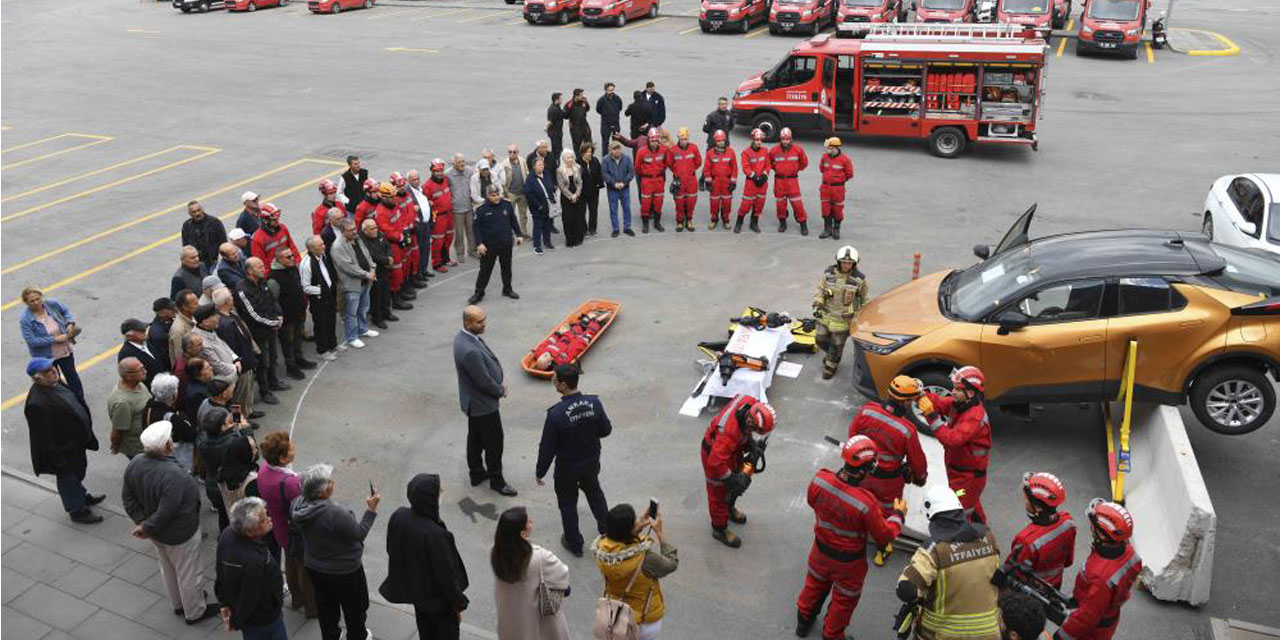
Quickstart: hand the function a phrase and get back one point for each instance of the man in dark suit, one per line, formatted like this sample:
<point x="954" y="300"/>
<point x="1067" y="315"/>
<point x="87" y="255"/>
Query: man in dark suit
<point x="135" y="346"/>
<point x="479" y="390"/>
<point x="158" y="331"/>
<point x="61" y="431"/>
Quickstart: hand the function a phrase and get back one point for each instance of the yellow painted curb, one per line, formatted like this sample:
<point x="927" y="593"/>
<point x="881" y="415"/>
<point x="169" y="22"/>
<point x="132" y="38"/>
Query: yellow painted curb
<point x="1231" y="50"/>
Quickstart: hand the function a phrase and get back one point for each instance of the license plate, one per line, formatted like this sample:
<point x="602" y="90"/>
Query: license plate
<point x="715" y="24"/>
<point x="1107" y="45"/>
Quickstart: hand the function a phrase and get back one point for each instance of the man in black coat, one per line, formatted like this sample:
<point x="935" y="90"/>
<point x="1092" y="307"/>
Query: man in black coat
<point x="555" y="125"/>
<point x="158" y="330"/>
<point x="351" y="183"/>
<point x="380" y="290"/>
<point x="261" y="312"/>
<point x="571" y="437"/>
<point x="285" y="284"/>
<point x="249" y="584"/>
<point x="719" y="120"/>
<point x="576" y="113"/>
<point x="496" y="230"/>
<point x="137" y="346"/>
<point x="424" y="568"/>
<point x="61" y="431"/>
<point x="204" y="232"/>
<point x="640" y="113"/>
<point x="609" y="106"/>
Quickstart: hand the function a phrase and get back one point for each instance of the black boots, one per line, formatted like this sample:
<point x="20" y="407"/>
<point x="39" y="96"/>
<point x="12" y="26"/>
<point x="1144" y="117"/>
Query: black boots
<point x="737" y="226"/>
<point x="804" y="228"/>
<point x="645" y="225"/>
<point x="726" y="537"/>
<point x="782" y="225"/>
<point x="835" y="230"/>
<point x="688" y="224"/>
<point x="755" y="224"/>
<point x="826" y="229"/>
<point x="657" y="222"/>
<point x="803" y="624"/>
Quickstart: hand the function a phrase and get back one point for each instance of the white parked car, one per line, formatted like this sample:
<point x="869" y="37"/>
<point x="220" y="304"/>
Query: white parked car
<point x="1244" y="211"/>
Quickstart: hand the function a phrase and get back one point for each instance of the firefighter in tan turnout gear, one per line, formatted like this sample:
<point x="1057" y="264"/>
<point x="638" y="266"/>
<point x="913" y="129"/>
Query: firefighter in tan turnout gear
<point x="841" y="292"/>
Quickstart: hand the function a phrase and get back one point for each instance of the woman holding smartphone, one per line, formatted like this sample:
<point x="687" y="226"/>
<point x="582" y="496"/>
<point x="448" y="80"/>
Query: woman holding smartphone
<point x="632" y="562"/>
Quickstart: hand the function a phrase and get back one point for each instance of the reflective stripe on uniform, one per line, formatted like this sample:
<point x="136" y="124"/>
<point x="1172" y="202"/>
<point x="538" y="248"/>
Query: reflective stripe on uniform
<point x="842" y="532"/>
<point x="1062" y="527"/>
<point x="1115" y="577"/>
<point x="979" y="452"/>
<point x="962" y="624"/>
<point x="842" y="496"/>
<point x="883" y="419"/>
<point x="846" y="592"/>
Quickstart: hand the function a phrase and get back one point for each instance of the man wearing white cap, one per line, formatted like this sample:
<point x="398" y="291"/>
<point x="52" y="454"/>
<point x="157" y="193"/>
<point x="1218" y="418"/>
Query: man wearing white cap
<point x="164" y="502"/>
<point x="248" y="220"/>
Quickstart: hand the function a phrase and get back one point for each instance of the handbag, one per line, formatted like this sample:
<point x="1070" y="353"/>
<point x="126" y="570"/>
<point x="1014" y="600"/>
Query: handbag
<point x="296" y="543"/>
<point x="549" y="600"/>
<point x="615" y="619"/>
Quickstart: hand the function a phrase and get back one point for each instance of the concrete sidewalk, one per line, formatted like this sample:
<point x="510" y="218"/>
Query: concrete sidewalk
<point x="66" y="580"/>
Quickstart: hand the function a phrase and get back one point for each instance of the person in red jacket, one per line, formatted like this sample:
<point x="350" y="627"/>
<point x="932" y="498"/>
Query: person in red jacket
<point x="320" y="217"/>
<point x="846" y="515"/>
<point x="720" y="177"/>
<point x="727" y="440"/>
<point x="899" y="456"/>
<point x="787" y="161"/>
<point x="408" y="228"/>
<point x="651" y="166"/>
<point x="1046" y="547"/>
<point x="438" y="194"/>
<point x="1103" y="585"/>
<point x="370" y="202"/>
<point x="684" y="159"/>
<point x="271" y="235"/>
<point x="965" y="436"/>
<point x="388" y="216"/>
<point x="755" y="173"/>
<point x="836" y="169"/>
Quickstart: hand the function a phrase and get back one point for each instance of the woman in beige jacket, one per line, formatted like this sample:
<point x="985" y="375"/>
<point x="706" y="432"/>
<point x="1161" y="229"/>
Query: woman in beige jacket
<point x="572" y="206"/>
<point x="518" y="567"/>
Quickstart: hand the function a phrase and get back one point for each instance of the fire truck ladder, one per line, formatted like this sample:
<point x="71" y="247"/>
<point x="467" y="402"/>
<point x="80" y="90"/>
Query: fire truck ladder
<point x="938" y="31"/>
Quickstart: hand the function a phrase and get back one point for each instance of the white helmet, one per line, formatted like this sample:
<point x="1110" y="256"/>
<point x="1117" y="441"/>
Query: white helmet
<point x="939" y="498"/>
<point x="847" y="252"/>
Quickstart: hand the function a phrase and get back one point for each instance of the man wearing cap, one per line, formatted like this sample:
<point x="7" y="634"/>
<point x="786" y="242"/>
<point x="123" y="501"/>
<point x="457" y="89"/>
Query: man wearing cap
<point x="248" y="220"/>
<point x="163" y="500"/>
<point x="204" y="232"/>
<point x="61" y="431"/>
<point x="571" y="437"/>
<point x="240" y="238"/>
<point x="158" y="330"/>
<point x="207" y="286"/>
<point x="135" y="346"/>
<point x="191" y="272"/>
<point x="127" y="407"/>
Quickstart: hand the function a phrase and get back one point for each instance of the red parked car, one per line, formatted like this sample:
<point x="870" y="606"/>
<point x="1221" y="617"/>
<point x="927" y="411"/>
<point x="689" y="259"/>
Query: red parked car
<point x="617" y="12"/>
<point x="732" y="15"/>
<point x="253" y="5"/>
<point x="551" y="11"/>
<point x="337" y="6"/>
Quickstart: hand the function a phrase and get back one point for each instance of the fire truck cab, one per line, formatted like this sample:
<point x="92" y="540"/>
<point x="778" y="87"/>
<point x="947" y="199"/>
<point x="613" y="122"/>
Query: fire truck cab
<point x="871" y="11"/>
<point x="949" y="84"/>
<point x="1112" y="26"/>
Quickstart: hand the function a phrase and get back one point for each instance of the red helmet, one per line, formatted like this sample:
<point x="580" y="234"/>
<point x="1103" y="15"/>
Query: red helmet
<point x="785" y="134"/>
<point x="719" y="136"/>
<point x="969" y="377"/>
<point x="1110" y="520"/>
<point x="757" y="134"/>
<point x="370" y="185"/>
<point x="269" y="212"/>
<point x="397" y="180"/>
<point x="437" y="164"/>
<point x="1045" y="488"/>
<point x="328" y="187"/>
<point x="859" y="452"/>
<point x="654" y="133"/>
<point x="764" y="416"/>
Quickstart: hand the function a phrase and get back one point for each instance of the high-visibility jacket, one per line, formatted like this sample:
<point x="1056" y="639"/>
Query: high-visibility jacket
<point x="959" y="599"/>
<point x="839" y="297"/>
<point x="1044" y="549"/>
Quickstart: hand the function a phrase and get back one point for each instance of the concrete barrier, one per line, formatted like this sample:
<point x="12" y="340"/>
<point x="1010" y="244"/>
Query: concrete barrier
<point x="1174" y="520"/>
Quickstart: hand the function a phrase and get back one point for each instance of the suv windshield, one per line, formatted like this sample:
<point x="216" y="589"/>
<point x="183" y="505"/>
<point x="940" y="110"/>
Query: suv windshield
<point x="1248" y="271"/>
<point x="981" y="288"/>
<point x="1026" y="6"/>
<point x="948" y="5"/>
<point x="1119" y="10"/>
<point x="1273" y="227"/>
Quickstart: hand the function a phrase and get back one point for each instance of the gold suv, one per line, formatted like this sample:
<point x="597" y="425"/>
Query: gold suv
<point x="1050" y="320"/>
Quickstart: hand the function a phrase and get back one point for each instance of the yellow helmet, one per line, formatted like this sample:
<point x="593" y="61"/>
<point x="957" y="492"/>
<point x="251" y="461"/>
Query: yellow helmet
<point x="832" y="142"/>
<point x="386" y="189"/>
<point x="682" y="133"/>
<point x="905" y="388"/>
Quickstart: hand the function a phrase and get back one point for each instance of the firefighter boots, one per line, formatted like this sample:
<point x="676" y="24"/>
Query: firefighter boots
<point x="803" y="624"/>
<point x="804" y="228"/>
<point x="688" y="224"/>
<point x="712" y="226"/>
<point x="782" y="225"/>
<point x="725" y="225"/>
<point x="679" y="227"/>
<point x="645" y="222"/>
<point x="755" y="224"/>
<point x="726" y="537"/>
<point x="657" y="222"/>
<point x="883" y="554"/>
<point x="737" y="226"/>
<point x="737" y="517"/>
<point x="835" y="230"/>
<point x="826" y="229"/>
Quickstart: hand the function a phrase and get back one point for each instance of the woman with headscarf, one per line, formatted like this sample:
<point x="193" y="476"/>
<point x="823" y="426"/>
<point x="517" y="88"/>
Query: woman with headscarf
<point x="424" y="568"/>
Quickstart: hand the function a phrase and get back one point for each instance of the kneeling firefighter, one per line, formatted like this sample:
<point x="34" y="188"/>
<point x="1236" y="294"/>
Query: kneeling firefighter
<point x="733" y="450"/>
<point x="949" y="577"/>
<point x="841" y="292"/>
<point x="845" y="514"/>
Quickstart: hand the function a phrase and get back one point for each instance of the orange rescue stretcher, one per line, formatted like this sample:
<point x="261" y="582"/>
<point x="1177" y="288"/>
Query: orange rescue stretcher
<point x="587" y="307"/>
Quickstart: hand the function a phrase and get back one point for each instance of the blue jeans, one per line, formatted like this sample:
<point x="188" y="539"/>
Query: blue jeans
<point x="623" y="196"/>
<point x="273" y="631"/>
<point x="354" y="316"/>
<point x="71" y="490"/>
<point x="541" y="231"/>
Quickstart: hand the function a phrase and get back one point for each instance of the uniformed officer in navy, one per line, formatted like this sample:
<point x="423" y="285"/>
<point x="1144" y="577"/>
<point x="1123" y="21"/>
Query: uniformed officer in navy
<point x="571" y="436"/>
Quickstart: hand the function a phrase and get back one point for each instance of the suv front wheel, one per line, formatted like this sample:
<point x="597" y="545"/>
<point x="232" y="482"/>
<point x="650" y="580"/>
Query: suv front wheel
<point x="1233" y="399"/>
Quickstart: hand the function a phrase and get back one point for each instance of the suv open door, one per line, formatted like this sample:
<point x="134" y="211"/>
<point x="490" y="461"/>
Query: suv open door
<point x="1016" y="236"/>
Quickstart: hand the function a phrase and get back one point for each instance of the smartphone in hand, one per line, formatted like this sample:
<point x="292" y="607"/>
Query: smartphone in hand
<point x="653" y="508"/>
<point x="372" y="492"/>
<point x="235" y="413"/>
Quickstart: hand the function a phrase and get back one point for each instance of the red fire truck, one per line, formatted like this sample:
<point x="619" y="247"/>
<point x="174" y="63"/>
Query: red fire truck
<point x="952" y="84"/>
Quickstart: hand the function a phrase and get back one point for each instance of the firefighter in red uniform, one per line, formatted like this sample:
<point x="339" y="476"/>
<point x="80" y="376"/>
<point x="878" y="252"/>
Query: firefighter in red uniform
<point x="1103" y="585"/>
<point x="436" y="189"/>
<point x="370" y="202"/>
<point x="270" y="236"/>
<point x="320" y="217"/>
<point x="651" y="166"/>
<point x="836" y="169"/>
<point x="720" y="177"/>
<point x="899" y="456"/>
<point x="787" y="161"/>
<point x="755" y="174"/>
<point x="408" y="228"/>
<point x="684" y="159"/>
<point x="724" y="446"/>
<point x="965" y="435"/>
<point x="1045" y="547"/>
<point x="388" y="215"/>
<point x="846" y="515"/>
